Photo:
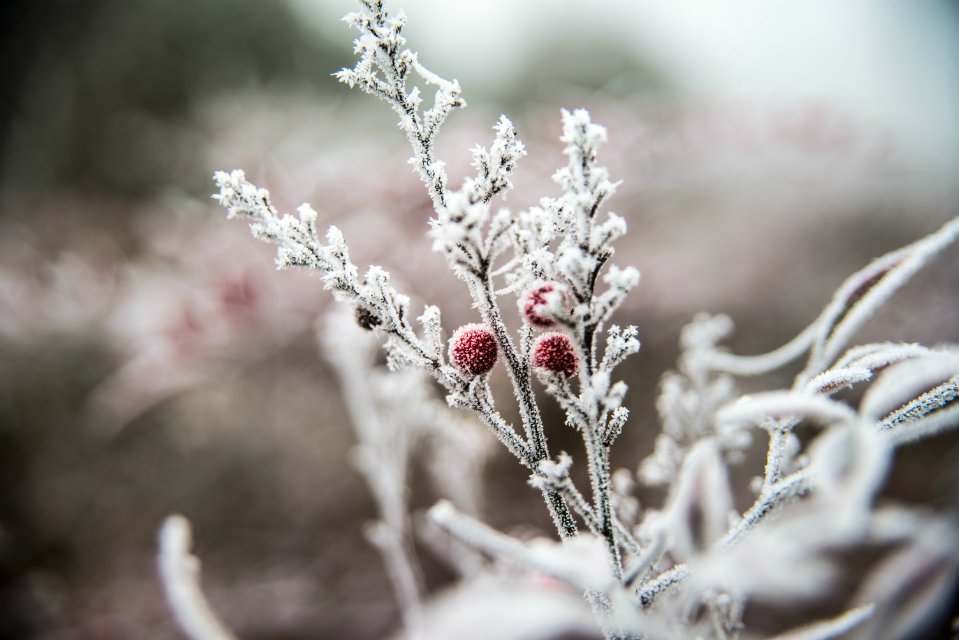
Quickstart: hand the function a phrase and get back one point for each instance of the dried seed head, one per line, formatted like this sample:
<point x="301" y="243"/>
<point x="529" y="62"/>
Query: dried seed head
<point x="554" y="352"/>
<point x="534" y="304"/>
<point x="366" y="319"/>
<point x="473" y="349"/>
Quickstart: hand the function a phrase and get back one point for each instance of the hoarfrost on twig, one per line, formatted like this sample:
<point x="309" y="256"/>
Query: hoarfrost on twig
<point x="180" y="577"/>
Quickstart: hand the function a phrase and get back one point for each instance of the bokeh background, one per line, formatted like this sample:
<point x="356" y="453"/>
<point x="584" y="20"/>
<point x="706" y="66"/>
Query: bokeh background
<point x="153" y="361"/>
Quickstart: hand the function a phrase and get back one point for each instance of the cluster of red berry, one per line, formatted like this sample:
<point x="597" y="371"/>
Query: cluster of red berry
<point x="474" y="350"/>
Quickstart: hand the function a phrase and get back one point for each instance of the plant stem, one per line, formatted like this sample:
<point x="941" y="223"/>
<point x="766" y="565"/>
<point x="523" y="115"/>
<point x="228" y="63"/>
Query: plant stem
<point x="519" y="374"/>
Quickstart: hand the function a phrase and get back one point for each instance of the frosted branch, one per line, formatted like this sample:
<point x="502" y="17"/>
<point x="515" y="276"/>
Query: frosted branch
<point x="773" y="497"/>
<point x="298" y="245"/>
<point x="494" y="167"/>
<point x="756" y="365"/>
<point x="180" y="577"/>
<point x="865" y="291"/>
<point x="578" y="561"/>
<point x="784" y="404"/>
<point x="852" y="304"/>
<point x="554" y="476"/>
<point x="832" y="628"/>
<point x="383" y="68"/>
<point x="905" y="382"/>
<point x="648" y="592"/>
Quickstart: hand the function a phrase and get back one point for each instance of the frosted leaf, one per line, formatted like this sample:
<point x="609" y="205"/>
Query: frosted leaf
<point x="539" y="264"/>
<point x="617" y="421"/>
<point x="907" y="380"/>
<point x="705" y="331"/>
<point x="859" y="363"/>
<point x="550" y="474"/>
<point x="620" y="344"/>
<point x="915" y="584"/>
<point x="919" y="398"/>
<point x="832" y="628"/>
<point x="307" y="216"/>
<point x="698" y="507"/>
<point x="625" y="505"/>
<point x="457" y="232"/>
<point x="782" y="561"/>
<point x="396" y="416"/>
<point x="399" y="356"/>
<point x="495" y="166"/>
<point x="530" y="236"/>
<point x="879" y="355"/>
<point x="241" y="198"/>
<point x="432" y="330"/>
<point x="687" y="403"/>
<point x="847" y="466"/>
<point x="863" y="292"/>
<point x="662" y="466"/>
<point x="675" y="404"/>
<point x="836" y="379"/>
<point x="598" y="387"/>
<point x="585" y="184"/>
<point x="616" y="395"/>
<point x="689" y="399"/>
<point x="620" y="282"/>
<point x="509" y="607"/>
<point x="298" y="245"/>
<point x="576" y="265"/>
<point x="784" y="404"/>
<point x="604" y="235"/>
<point x="498" y="236"/>
<point x="934" y="420"/>
<point x="580" y="561"/>
<point x="295" y="236"/>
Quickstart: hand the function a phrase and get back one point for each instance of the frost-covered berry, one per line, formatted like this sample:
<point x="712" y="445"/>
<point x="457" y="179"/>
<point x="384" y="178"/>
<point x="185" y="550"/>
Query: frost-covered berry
<point x="366" y="319"/>
<point x="534" y="304"/>
<point x="554" y="352"/>
<point x="473" y="349"/>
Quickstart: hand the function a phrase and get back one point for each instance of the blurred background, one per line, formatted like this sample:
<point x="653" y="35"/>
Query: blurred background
<point x="153" y="361"/>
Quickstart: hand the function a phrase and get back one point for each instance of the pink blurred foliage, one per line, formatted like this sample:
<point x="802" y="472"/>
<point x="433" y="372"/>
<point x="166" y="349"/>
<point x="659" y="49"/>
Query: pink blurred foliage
<point x="198" y="298"/>
<point x="70" y="292"/>
<point x="704" y="181"/>
<point x="195" y="307"/>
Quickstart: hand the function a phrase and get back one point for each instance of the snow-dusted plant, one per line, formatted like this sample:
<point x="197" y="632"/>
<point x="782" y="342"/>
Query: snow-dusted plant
<point x="698" y="565"/>
<point x="396" y="415"/>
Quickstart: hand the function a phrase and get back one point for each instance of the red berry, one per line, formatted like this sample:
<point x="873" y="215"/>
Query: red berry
<point x="554" y="352"/>
<point x="534" y="306"/>
<point x="473" y="349"/>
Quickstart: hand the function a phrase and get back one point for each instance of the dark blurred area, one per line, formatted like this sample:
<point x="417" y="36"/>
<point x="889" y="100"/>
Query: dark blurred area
<point x="152" y="361"/>
<point x="99" y="117"/>
<point x="102" y="96"/>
